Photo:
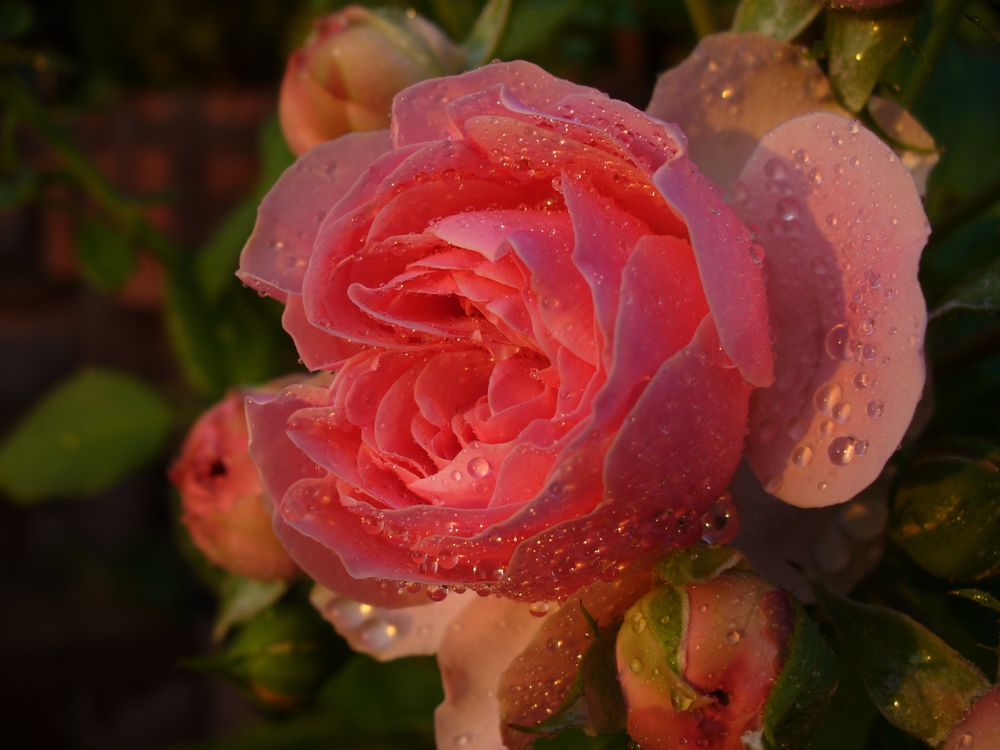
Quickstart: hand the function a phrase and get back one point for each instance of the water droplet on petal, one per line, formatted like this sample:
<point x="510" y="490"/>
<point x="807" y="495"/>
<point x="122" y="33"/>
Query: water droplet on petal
<point x="635" y="665"/>
<point x="539" y="609"/>
<point x="788" y="209"/>
<point x="841" y="450"/>
<point x="826" y="397"/>
<point x="802" y="456"/>
<point x="837" y="342"/>
<point x="479" y="467"/>
<point x="875" y="409"/>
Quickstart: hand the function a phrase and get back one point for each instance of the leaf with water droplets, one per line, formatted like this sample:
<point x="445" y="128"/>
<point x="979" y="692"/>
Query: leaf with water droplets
<point x="697" y="564"/>
<point x="946" y="515"/>
<point x="780" y="19"/>
<point x="979" y="597"/>
<point x="915" y="679"/>
<point x="861" y="46"/>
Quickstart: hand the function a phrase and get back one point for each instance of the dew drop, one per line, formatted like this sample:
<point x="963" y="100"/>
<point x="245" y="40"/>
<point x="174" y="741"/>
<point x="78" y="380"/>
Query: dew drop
<point x="802" y="456"/>
<point x="539" y="609"/>
<point x="293" y="509"/>
<point x="774" y="169"/>
<point x="815" y="177"/>
<point x="756" y="253"/>
<point x="479" y="467"/>
<point x="447" y="559"/>
<point x="841" y="450"/>
<point x="378" y="635"/>
<point x="635" y="665"/>
<point x="841" y="412"/>
<point x="461" y="740"/>
<point x="437" y="593"/>
<point x="965" y="740"/>
<point x="826" y="397"/>
<point x="788" y="209"/>
<point x="853" y="126"/>
<point x="862" y="380"/>
<point x="733" y="636"/>
<point x="837" y="342"/>
<point x="456" y="476"/>
<point x="875" y="409"/>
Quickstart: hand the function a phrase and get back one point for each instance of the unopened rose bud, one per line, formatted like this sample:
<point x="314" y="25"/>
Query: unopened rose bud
<point x="222" y="499"/>
<point x="723" y="663"/>
<point x="281" y="656"/>
<point x="352" y="64"/>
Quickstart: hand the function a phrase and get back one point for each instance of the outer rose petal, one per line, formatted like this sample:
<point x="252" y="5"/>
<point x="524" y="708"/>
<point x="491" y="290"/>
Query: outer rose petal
<point x="980" y="729"/>
<point x="479" y="645"/>
<point x="276" y="255"/>
<point x="843" y="227"/>
<point x="731" y="90"/>
<point x="389" y="633"/>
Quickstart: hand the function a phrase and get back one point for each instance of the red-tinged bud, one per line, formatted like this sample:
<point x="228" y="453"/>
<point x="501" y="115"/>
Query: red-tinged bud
<point x="352" y="64"/>
<point x="980" y="729"/>
<point x="222" y="499"/>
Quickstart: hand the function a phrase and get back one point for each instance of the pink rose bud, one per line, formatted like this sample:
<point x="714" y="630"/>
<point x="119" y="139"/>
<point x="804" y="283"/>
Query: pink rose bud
<point x="351" y="66"/>
<point x="222" y="499"/>
<point x="720" y="663"/>
<point x="980" y="729"/>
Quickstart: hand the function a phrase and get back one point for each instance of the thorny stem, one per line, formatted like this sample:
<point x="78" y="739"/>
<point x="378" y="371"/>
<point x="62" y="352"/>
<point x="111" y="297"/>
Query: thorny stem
<point x="941" y="31"/>
<point x="700" y="13"/>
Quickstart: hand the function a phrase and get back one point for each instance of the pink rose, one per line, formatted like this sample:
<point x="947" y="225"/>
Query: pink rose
<point x="980" y="728"/>
<point x="353" y="63"/>
<point x="545" y="326"/>
<point x="223" y="505"/>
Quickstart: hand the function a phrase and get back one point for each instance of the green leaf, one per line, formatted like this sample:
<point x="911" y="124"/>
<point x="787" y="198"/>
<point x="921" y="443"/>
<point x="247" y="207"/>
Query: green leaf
<point x="915" y="679"/>
<point x="697" y="564"/>
<point x="802" y="693"/>
<point x="485" y="36"/>
<point x="243" y="599"/>
<point x="849" y="718"/>
<point x="15" y="18"/>
<point x="219" y="257"/>
<point x="106" y="254"/>
<point x="980" y="292"/>
<point x="84" y="436"/>
<point x="861" y="45"/>
<point x="946" y="514"/>
<point x="191" y="325"/>
<point x="979" y="597"/>
<point x="781" y="19"/>
<point x="533" y="23"/>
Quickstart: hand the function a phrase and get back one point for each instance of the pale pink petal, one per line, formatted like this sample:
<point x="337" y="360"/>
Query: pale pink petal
<point x="843" y="239"/>
<point x="729" y="266"/>
<point x="419" y="113"/>
<point x="277" y="254"/>
<point x="389" y="633"/>
<point x="479" y="645"/>
<point x="731" y="90"/>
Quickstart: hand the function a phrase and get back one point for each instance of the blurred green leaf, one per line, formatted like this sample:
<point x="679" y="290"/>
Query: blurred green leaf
<point x="485" y="36"/>
<point x="84" y="436"/>
<point x="802" y="693"/>
<point x="191" y="324"/>
<point x="979" y="597"/>
<point x="243" y="599"/>
<point x="946" y="511"/>
<point x="697" y="564"/>
<point x="15" y="18"/>
<point x="980" y="291"/>
<point x="916" y="680"/>
<point x="106" y="253"/>
<point x="781" y="19"/>
<point x="533" y="23"/>
<point x="861" y="45"/>
<point x="848" y="720"/>
<point x="219" y="257"/>
<point x="255" y="348"/>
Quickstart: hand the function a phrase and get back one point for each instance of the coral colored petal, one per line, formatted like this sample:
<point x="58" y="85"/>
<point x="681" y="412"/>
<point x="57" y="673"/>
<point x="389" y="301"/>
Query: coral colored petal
<point x="843" y="244"/>
<point x="980" y="729"/>
<point x="418" y="113"/>
<point x="481" y="642"/>
<point x="450" y="383"/>
<point x="318" y="349"/>
<point x="389" y="633"/>
<point x="730" y="269"/>
<point x="276" y="255"/>
<point x="731" y="90"/>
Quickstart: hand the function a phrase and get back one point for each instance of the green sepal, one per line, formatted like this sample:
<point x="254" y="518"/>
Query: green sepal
<point x="779" y="19"/>
<point x="241" y="600"/>
<point x="697" y="564"/>
<point x="802" y="692"/>
<point x="945" y="512"/>
<point x="916" y="680"/>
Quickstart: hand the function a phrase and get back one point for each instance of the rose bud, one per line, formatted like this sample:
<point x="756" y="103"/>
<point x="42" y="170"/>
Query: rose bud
<point x="222" y="502"/>
<point x="980" y="729"/>
<point x="721" y="661"/>
<point x="504" y="412"/>
<point x="352" y="64"/>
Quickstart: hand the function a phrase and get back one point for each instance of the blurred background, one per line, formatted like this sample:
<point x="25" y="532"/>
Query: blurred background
<point x="135" y="143"/>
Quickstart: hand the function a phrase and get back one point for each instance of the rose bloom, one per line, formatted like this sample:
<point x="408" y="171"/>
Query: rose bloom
<point x="222" y="501"/>
<point x="351" y="65"/>
<point x="546" y="325"/>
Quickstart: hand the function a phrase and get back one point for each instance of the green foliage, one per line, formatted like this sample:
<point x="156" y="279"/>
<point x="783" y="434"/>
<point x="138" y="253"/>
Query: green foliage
<point x="241" y="600"/>
<point x="781" y="19"/>
<point x="697" y="564"/>
<point x="486" y="34"/>
<point x="532" y="24"/>
<point x="85" y="435"/>
<point x="979" y="292"/>
<point x="15" y="18"/>
<point x="106" y="253"/>
<point x="861" y="45"/>
<point x="947" y="514"/>
<point x="915" y="679"/>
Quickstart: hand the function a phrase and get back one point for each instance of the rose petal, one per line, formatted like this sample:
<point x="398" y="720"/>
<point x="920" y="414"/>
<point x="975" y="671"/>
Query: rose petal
<point x="480" y="643"/>
<point x="731" y="90"/>
<point x="276" y="255"/>
<point x="389" y="633"/>
<point x="418" y="113"/>
<point x="732" y="280"/>
<point x="843" y="242"/>
<point x="318" y="349"/>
